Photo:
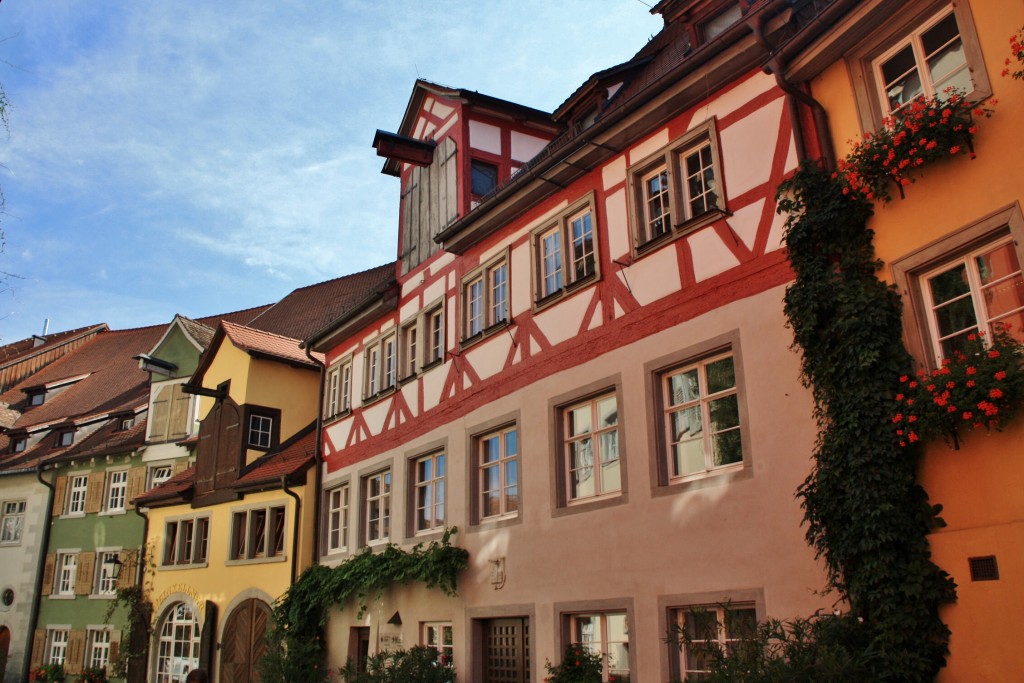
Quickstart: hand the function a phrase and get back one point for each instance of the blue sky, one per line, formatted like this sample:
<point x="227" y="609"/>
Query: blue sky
<point x="205" y="157"/>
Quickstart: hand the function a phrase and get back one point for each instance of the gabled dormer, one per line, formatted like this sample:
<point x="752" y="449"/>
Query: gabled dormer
<point x="705" y="20"/>
<point x="453" y="149"/>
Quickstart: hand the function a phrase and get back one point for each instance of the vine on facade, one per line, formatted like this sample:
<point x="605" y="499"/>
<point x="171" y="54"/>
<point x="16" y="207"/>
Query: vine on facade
<point x="866" y="515"/>
<point x="296" y="650"/>
<point x="134" y="600"/>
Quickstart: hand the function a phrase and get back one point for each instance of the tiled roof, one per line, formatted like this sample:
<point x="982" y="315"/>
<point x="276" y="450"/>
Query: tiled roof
<point x="203" y="334"/>
<point x="14" y="351"/>
<point x="113" y="381"/>
<point x="260" y="342"/>
<point x="174" y="489"/>
<point x="107" y="440"/>
<point x="310" y="309"/>
<point x="292" y="457"/>
<point x="241" y="317"/>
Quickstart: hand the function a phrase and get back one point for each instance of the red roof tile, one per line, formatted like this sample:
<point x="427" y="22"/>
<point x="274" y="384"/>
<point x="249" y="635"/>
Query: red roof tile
<point x="309" y="309"/>
<point x="259" y="342"/>
<point x="109" y="439"/>
<point x="175" y="489"/>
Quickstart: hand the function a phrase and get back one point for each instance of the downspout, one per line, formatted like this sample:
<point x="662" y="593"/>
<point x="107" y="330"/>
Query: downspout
<point x="140" y="573"/>
<point x="295" y="526"/>
<point x="317" y="460"/>
<point x="33" y="620"/>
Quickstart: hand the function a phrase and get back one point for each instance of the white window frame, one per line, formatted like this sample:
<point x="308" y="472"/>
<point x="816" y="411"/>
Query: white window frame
<point x="984" y="320"/>
<point x="65" y="573"/>
<point x="428" y="489"/>
<point x="500" y="464"/>
<point x="559" y="248"/>
<point x="337" y="518"/>
<point x="252" y="539"/>
<point x="78" y="486"/>
<point x="600" y="643"/>
<point x="178" y="620"/>
<point x="97" y="654"/>
<point x="671" y="161"/>
<point x="409" y="353"/>
<point x="381" y="366"/>
<point x="116" y="493"/>
<point x="596" y="435"/>
<point x="338" y="389"/>
<point x="723" y="636"/>
<point x="260" y="426"/>
<point x="485" y="298"/>
<point x="104" y="584"/>
<point x="12" y="522"/>
<point x="703" y="404"/>
<point x="154" y="479"/>
<point x="440" y="636"/>
<point x="57" y="645"/>
<point x="435" y="336"/>
<point x="377" y="507"/>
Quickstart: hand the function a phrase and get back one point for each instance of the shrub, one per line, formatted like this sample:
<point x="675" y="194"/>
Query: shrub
<point x="419" y="664"/>
<point x="579" y="665"/>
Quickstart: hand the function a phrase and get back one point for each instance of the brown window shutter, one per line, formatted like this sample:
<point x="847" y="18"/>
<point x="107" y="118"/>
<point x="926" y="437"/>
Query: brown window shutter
<point x="48" y="569"/>
<point x="160" y="413"/>
<point x="38" y="646"/>
<point x="115" y="643"/>
<point x="94" y="492"/>
<point x="136" y="485"/>
<point x="76" y="652"/>
<point x="180" y="414"/>
<point x="84" y="573"/>
<point x="60" y="492"/>
<point x="129" y="563"/>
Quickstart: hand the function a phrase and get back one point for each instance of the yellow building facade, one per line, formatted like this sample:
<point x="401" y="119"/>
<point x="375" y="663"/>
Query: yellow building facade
<point x="960" y="220"/>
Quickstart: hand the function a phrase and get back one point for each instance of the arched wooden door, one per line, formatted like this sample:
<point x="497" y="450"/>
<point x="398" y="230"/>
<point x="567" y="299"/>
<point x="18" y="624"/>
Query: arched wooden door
<point x="242" y="644"/>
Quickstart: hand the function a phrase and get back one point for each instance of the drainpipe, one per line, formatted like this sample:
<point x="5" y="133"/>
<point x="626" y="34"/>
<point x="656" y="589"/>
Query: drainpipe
<point x="140" y="575"/>
<point x="33" y="619"/>
<point x="317" y="459"/>
<point x="295" y="525"/>
<point x="139" y="568"/>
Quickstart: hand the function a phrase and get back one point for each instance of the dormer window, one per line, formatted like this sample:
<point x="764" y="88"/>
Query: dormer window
<point x="716" y="25"/>
<point x="484" y="177"/>
<point x="126" y="422"/>
<point x="65" y="437"/>
<point x="262" y="427"/>
<point x="18" y="443"/>
<point x="36" y="398"/>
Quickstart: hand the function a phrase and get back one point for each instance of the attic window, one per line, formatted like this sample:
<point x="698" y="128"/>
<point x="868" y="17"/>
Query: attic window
<point x="716" y="25"/>
<point x="484" y="177"/>
<point x="36" y="398"/>
<point x="65" y="437"/>
<point x="18" y="443"/>
<point x="126" y="422"/>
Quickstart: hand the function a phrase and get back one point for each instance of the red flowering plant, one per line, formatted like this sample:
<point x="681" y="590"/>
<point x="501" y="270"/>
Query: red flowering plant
<point x="923" y="131"/>
<point x="579" y="665"/>
<point x="980" y="387"/>
<point x="1017" y="51"/>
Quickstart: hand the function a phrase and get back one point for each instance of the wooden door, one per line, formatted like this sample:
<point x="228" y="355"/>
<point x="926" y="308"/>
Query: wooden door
<point x="242" y="645"/>
<point x="506" y="655"/>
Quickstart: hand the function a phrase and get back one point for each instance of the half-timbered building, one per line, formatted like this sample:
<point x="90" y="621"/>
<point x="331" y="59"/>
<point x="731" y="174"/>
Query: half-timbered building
<point x="584" y="363"/>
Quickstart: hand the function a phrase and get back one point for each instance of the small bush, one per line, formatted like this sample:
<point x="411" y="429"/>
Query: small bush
<point x="419" y="664"/>
<point x="579" y="665"/>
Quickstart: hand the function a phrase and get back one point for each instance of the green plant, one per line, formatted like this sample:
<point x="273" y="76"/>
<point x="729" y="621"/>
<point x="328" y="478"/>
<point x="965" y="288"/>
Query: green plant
<point x="419" y="664"/>
<point x="48" y="673"/>
<point x="980" y="386"/>
<point x="824" y="647"/>
<point x="579" y="665"/>
<point x="93" y="674"/>
<point x="923" y="131"/>
<point x="295" y="646"/>
<point x="133" y="599"/>
<point x="866" y="515"/>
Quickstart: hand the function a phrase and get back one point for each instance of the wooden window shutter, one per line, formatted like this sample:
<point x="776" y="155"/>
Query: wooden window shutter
<point x="38" y="647"/>
<point x="136" y="485"/>
<point x="84" y="572"/>
<point x="48" y="569"/>
<point x="94" y="492"/>
<point x="115" y="643"/>
<point x="160" y="413"/>
<point x="178" y="423"/>
<point x="208" y="636"/>
<point x="179" y="466"/>
<point x="75" y="657"/>
<point x="129" y="563"/>
<point x="60" y="492"/>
